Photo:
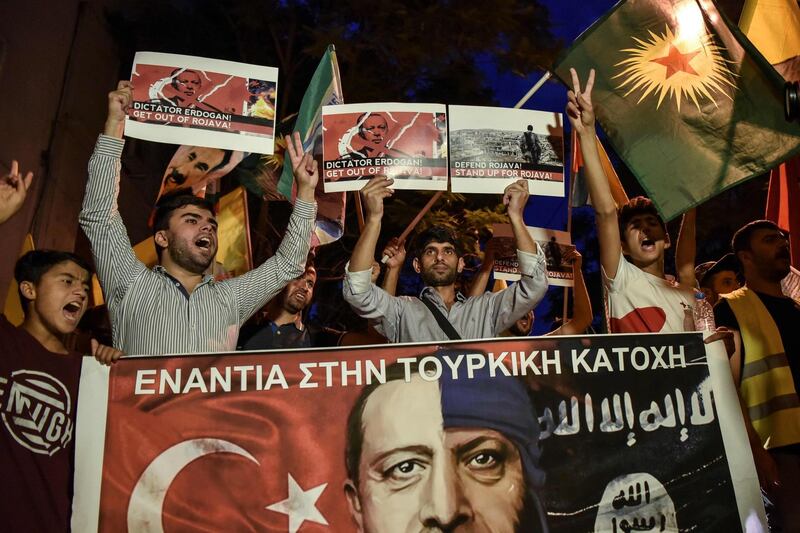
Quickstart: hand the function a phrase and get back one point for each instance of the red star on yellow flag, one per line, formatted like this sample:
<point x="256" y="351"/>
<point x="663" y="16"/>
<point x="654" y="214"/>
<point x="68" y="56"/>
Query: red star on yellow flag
<point x="675" y="61"/>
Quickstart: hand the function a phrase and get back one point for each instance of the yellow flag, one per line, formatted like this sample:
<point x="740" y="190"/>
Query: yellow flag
<point x="233" y="254"/>
<point x="774" y="27"/>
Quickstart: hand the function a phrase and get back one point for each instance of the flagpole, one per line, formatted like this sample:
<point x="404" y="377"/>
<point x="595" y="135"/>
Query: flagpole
<point x="413" y="223"/>
<point x="532" y="91"/>
<point x="538" y="85"/>
<point x="574" y="139"/>
<point x="359" y="211"/>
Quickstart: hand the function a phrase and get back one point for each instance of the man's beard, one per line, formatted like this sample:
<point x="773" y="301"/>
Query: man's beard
<point x="291" y="305"/>
<point x="433" y="278"/>
<point x="182" y="255"/>
<point x="774" y="272"/>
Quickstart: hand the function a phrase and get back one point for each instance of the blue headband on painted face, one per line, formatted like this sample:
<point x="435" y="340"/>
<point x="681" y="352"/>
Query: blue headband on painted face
<point x="500" y="403"/>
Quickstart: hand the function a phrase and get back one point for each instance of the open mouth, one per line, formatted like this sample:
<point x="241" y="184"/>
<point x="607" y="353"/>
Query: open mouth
<point x="648" y="245"/>
<point x="204" y="243"/>
<point x="72" y="311"/>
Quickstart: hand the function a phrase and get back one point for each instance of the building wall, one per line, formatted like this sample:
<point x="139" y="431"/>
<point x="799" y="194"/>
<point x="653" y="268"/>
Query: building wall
<point x="59" y="62"/>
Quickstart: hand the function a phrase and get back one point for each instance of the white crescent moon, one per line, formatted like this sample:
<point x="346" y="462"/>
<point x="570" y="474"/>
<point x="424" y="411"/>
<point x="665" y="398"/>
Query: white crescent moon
<point x="147" y="498"/>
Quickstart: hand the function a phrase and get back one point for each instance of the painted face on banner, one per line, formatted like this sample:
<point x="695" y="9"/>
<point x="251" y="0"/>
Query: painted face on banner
<point x="374" y="129"/>
<point x="416" y="476"/>
<point x="187" y="84"/>
<point x="190" y="167"/>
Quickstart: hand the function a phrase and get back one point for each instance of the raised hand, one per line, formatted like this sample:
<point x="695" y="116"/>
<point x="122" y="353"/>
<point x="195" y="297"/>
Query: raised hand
<point x="105" y="354"/>
<point x="579" y="104"/>
<point x="395" y="252"/>
<point x="304" y="166"/>
<point x="373" y="195"/>
<point x="118" y="103"/>
<point x="574" y="257"/>
<point x="515" y="197"/>
<point x="13" y="189"/>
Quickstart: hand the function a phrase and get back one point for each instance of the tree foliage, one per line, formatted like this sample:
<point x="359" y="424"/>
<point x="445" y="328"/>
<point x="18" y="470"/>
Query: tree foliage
<point x="388" y="51"/>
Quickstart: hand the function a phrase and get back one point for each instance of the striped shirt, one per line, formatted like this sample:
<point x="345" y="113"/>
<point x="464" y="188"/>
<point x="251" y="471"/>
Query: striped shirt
<point x="151" y="313"/>
<point x="407" y="319"/>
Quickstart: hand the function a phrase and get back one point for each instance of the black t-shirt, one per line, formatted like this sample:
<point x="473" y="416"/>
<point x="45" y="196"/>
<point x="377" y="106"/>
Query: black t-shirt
<point x="270" y="336"/>
<point x="786" y="315"/>
<point x="38" y="395"/>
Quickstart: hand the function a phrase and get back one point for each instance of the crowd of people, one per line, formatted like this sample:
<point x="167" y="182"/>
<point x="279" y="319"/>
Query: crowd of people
<point x="178" y="307"/>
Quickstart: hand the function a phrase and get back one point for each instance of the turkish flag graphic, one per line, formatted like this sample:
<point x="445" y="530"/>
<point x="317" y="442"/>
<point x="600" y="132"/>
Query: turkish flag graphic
<point x="253" y="460"/>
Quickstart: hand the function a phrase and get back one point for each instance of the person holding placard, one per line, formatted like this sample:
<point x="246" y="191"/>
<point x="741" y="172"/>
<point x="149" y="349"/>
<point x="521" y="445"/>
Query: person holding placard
<point x="178" y="307"/>
<point x="441" y="312"/>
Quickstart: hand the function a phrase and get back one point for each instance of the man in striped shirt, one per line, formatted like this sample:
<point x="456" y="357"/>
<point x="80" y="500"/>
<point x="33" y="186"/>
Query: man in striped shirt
<point x="177" y="307"/>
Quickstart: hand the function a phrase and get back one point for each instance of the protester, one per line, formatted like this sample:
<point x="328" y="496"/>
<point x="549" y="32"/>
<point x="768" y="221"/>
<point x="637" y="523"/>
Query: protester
<point x="283" y="326"/>
<point x="716" y="278"/>
<point x="582" y="315"/>
<point x="177" y="307"/>
<point x="39" y="380"/>
<point x="632" y="241"/>
<point x="766" y="363"/>
<point x="13" y="190"/>
<point x="438" y="260"/>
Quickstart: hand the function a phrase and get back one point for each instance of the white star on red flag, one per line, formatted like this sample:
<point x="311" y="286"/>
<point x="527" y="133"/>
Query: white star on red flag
<point x="300" y="505"/>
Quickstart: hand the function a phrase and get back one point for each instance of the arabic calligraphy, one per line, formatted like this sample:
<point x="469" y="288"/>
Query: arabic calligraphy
<point x="676" y="409"/>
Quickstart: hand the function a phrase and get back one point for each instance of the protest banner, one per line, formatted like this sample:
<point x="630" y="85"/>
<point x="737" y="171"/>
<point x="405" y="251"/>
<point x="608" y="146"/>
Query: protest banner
<point x="204" y="102"/>
<point x="554" y="243"/>
<point x="405" y="142"/>
<point x="491" y="147"/>
<point x="595" y="433"/>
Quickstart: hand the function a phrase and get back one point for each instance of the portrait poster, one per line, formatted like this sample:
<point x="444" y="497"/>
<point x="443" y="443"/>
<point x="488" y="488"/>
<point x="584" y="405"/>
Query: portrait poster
<point x="202" y="102"/>
<point x="405" y="142"/>
<point x="491" y="147"/>
<point x="554" y="434"/>
<point x="194" y="167"/>
<point x="556" y="245"/>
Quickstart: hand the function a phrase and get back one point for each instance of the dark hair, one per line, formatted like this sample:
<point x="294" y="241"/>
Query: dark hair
<point x="638" y="205"/>
<point x="435" y="234"/>
<point x="741" y="239"/>
<point x="355" y="431"/>
<point x="226" y="158"/>
<point x="172" y="201"/>
<point x="36" y="263"/>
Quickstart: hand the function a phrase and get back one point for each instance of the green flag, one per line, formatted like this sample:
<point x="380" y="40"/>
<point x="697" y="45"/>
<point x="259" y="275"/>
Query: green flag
<point x="325" y="89"/>
<point x="685" y="99"/>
